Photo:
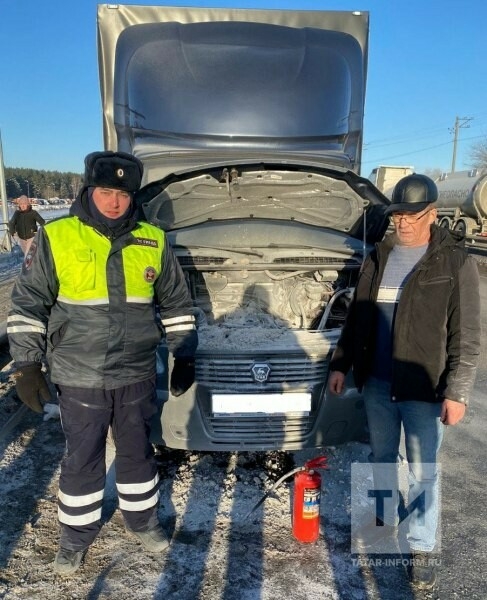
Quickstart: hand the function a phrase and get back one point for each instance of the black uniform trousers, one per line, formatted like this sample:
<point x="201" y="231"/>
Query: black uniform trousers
<point x="86" y="415"/>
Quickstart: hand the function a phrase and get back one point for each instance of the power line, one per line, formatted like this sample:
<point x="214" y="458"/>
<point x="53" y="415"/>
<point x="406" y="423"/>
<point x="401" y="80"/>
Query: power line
<point x="379" y="160"/>
<point x="408" y="136"/>
<point x="413" y="135"/>
<point x="403" y="140"/>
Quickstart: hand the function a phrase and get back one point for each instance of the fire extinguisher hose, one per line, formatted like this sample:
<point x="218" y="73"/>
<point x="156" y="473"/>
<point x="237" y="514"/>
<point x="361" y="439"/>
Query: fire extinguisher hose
<point x="315" y="463"/>
<point x="274" y="488"/>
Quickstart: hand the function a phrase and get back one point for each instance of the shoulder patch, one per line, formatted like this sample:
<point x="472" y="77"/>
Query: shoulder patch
<point x="150" y="274"/>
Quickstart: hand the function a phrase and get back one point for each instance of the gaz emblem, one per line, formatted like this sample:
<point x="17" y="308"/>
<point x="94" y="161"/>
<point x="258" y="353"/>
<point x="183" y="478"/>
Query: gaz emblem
<point x="260" y="372"/>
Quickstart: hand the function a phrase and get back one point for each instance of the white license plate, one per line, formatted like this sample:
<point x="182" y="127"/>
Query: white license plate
<point x="261" y="403"/>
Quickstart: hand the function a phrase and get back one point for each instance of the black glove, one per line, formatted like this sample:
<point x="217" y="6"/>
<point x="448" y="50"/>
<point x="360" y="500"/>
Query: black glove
<point x="30" y="383"/>
<point x="182" y="376"/>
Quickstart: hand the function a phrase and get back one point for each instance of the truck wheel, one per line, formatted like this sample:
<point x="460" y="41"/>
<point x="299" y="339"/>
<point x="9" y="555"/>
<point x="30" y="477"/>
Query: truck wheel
<point x="445" y="222"/>
<point x="460" y="227"/>
<point x="466" y="226"/>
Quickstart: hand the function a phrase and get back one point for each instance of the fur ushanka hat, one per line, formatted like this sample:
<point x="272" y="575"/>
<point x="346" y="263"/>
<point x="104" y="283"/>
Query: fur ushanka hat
<point x="117" y="170"/>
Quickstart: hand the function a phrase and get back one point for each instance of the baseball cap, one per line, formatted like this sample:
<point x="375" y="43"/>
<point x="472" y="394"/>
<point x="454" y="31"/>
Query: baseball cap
<point x="413" y="193"/>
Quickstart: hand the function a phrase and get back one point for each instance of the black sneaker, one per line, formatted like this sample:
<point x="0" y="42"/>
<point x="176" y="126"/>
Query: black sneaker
<point x="375" y="536"/>
<point x="68" y="562"/>
<point x="423" y="569"/>
<point x="154" y="540"/>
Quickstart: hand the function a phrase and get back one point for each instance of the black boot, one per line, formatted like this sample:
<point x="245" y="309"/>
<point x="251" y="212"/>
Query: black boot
<point x="67" y="562"/>
<point x="423" y="569"/>
<point x="153" y="540"/>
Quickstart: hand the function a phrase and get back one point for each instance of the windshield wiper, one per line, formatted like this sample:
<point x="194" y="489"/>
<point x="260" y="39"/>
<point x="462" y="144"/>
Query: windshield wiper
<point x="348" y="251"/>
<point x="225" y="249"/>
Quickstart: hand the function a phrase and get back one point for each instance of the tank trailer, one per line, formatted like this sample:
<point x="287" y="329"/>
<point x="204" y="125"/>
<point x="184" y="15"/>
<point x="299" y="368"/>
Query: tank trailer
<point x="462" y="201"/>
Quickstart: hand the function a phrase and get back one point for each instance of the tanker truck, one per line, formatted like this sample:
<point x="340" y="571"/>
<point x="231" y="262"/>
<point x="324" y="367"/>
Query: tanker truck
<point x="462" y="201"/>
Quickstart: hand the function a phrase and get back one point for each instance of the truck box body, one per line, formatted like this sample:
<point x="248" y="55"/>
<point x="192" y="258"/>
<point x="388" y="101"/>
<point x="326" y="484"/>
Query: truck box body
<point x="249" y="124"/>
<point x="385" y="177"/>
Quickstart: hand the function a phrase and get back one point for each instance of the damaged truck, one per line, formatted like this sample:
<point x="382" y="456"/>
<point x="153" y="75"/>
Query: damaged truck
<point x="249" y="124"/>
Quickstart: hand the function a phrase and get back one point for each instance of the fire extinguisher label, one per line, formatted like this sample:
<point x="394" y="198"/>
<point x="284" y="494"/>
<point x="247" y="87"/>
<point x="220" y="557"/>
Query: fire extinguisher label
<point x="311" y="504"/>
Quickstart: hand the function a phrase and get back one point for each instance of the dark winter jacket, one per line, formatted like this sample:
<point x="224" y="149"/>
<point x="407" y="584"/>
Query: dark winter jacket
<point x="24" y="223"/>
<point x="436" y="338"/>
<point x="88" y="297"/>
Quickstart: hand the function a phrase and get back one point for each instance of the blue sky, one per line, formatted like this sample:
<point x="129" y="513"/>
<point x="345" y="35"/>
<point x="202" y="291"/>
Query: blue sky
<point x="426" y="66"/>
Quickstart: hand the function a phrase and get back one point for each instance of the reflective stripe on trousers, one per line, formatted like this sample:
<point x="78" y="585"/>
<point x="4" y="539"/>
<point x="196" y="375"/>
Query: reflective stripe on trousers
<point x="86" y="415"/>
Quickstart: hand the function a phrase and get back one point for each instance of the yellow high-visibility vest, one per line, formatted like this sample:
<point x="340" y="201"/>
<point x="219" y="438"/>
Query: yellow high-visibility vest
<point x="81" y="255"/>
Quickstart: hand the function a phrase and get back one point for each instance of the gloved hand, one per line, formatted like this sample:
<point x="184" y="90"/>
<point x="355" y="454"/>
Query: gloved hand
<point x="182" y="376"/>
<point x="30" y="383"/>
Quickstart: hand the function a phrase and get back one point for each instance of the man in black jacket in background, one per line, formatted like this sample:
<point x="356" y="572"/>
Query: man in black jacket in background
<point x="24" y="223"/>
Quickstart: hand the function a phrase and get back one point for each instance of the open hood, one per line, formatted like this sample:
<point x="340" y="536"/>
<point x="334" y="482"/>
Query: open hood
<point x="200" y="81"/>
<point x="292" y="191"/>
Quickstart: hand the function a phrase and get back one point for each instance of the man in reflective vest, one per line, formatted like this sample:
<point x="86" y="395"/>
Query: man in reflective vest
<point x="86" y="300"/>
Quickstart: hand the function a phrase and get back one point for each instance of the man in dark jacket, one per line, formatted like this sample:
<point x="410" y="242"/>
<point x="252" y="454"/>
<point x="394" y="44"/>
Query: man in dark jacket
<point x="87" y="299"/>
<point x="24" y="223"/>
<point x="412" y="339"/>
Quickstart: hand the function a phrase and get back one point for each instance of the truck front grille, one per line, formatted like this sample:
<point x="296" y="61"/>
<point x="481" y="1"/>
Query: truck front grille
<point x="259" y="431"/>
<point x="233" y="374"/>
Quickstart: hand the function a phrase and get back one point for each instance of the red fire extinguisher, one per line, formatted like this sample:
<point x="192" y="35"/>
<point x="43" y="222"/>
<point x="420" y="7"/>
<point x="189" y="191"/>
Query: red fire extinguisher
<point x="306" y="502"/>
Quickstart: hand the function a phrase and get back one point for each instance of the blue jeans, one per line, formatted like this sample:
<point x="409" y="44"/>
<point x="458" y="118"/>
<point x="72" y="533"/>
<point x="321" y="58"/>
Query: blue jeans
<point x="423" y="432"/>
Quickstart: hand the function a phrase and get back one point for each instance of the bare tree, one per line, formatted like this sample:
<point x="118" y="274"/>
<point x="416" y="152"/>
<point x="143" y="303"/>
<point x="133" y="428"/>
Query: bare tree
<point x="75" y="185"/>
<point x="478" y="154"/>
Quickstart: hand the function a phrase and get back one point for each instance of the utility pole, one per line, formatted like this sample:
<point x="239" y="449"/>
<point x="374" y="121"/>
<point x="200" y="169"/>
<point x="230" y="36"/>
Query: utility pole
<point x="460" y="123"/>
<point x="3" y="193"/>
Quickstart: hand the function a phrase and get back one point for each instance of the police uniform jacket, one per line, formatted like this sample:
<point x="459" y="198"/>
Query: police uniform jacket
<point x="87" y="298"/>
<point x="436" y="338"/>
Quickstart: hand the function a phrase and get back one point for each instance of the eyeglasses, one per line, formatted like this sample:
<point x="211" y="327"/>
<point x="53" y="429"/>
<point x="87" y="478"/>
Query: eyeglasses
<point x="411" y="219"/>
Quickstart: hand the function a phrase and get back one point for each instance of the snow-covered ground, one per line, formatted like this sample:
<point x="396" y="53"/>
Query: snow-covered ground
<point x="10" y="263"/>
